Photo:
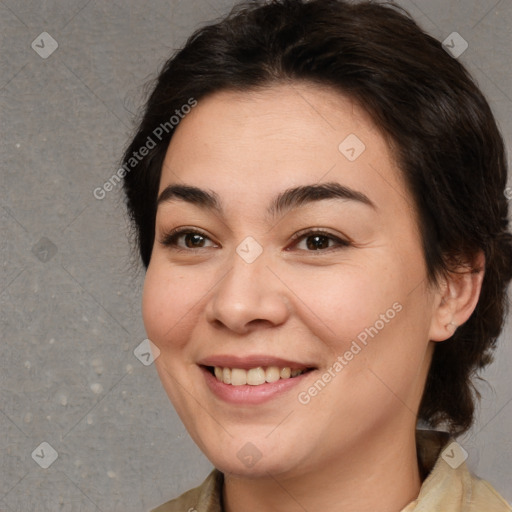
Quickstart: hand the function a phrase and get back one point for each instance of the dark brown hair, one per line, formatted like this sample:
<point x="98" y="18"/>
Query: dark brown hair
<point x="438" y="123"/>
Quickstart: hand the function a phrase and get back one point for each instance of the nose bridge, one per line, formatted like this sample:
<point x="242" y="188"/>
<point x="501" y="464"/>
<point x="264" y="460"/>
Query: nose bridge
<point x="249" y="292"/>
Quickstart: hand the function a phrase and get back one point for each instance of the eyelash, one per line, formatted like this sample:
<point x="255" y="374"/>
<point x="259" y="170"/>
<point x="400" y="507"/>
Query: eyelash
<point x="170" y="239"/>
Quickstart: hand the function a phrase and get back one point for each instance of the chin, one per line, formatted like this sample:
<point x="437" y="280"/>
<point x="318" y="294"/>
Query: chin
<point x="253" y="457"/>
<point x="261" y="469"/>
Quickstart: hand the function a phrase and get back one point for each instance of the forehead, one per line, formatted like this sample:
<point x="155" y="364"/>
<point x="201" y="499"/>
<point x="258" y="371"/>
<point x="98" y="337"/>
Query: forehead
<point x="257" y="143"/>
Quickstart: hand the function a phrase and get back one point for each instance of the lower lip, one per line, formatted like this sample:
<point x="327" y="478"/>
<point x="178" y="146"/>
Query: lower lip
<point x="247" y="394"/>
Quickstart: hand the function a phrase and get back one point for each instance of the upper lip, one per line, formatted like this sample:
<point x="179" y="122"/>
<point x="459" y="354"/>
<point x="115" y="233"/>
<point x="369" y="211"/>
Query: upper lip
<point x="248" y="362"/>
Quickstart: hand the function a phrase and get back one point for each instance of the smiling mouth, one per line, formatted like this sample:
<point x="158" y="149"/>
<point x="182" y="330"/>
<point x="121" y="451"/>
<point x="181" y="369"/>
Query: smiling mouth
<point x="255" y="376"/>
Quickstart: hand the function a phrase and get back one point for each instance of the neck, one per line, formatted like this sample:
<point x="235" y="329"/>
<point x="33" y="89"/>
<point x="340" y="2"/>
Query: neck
<point x="383" y="475"/>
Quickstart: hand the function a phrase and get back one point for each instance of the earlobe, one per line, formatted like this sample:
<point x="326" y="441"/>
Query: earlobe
<point x="457" y="298"/>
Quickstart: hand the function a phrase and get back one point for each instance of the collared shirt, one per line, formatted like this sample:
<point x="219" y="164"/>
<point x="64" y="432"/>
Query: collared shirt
<point x="448" y="485"/>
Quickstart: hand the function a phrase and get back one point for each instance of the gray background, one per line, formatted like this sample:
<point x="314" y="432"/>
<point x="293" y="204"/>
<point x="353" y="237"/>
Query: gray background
<point x="69" y="294"/>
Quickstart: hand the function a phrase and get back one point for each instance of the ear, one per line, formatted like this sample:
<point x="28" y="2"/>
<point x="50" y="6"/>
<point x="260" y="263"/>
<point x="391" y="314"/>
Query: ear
<point x="456" y="298"/>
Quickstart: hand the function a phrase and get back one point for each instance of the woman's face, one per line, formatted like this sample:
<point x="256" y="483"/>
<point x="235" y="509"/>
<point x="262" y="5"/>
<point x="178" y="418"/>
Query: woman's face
<point x="298" y="249"/>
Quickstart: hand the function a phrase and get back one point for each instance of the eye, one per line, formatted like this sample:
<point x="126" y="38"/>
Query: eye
<point x="186" y="238"/>
<point x="317" y="240"/>
<point x="183" y="239"/>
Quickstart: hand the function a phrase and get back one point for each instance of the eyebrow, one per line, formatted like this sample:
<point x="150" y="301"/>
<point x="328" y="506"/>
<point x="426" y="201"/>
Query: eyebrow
<point x="287" y="200"/>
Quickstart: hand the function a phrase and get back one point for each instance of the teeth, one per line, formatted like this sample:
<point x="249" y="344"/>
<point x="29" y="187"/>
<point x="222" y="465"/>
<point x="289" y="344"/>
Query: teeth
<point x="272" y="374"/>
<point x="254" y="376"/>
<point x="226" y="375"/>
<point x="238" y="377"/>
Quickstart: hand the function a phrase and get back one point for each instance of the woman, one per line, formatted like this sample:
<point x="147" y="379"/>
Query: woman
<point x="317" y="191"/>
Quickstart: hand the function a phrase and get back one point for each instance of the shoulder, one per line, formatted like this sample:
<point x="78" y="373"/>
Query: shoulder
<point x="204" y="498"/>
<point x="485" y="497"/>
<point x="449" y="485"/>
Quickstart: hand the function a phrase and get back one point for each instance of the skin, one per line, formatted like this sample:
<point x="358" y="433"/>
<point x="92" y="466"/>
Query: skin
<point x="296" y="302"/>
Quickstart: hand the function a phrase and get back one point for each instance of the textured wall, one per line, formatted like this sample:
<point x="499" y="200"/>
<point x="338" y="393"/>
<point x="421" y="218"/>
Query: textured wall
<point x="70" y="299"/>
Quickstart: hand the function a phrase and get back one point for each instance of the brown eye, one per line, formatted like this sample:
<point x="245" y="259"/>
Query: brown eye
<point x="193" y="240"/>
<point x="318" y="241"/>
<point x="183" y="239"/>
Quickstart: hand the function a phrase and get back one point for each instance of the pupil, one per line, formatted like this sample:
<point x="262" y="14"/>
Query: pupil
<point x="194" y="240"/>
<point x="317" y="242"/>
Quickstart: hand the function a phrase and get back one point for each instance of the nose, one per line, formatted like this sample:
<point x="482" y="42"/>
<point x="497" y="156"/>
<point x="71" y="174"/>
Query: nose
<point x="248" y="297"/>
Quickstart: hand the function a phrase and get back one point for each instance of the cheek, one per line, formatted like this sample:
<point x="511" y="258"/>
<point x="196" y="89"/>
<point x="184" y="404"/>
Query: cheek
<point x="169" y="301"/>
<point x="369" y="316"/>
<point x="342" y="302"/>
